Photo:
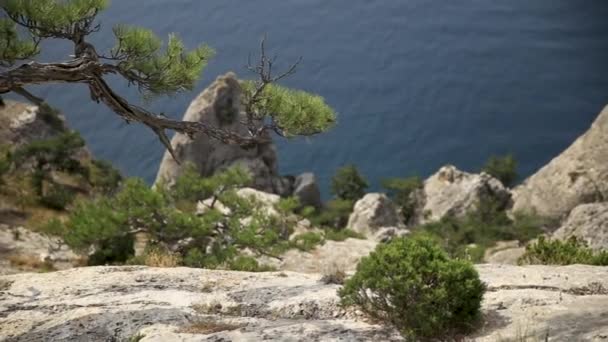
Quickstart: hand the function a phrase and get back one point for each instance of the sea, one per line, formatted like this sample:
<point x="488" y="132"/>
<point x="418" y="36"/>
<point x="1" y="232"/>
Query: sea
<point x="417" y="84"/>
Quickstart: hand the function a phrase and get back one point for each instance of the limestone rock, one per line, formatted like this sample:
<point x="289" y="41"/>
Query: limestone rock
<point x="578" y="175"/>
<point x="22" y="123"/>
<point x="372" y="212"/>
<point x="566" y="303"/>
<point x="588" y="222"/>
<point x="20" y="247"/>
<point x="504" y="252"/>
<point x="307" y="190"/>
<point x="220" y="106"/>
<point x="451" y="192"/>
<point x="117" y="303"/>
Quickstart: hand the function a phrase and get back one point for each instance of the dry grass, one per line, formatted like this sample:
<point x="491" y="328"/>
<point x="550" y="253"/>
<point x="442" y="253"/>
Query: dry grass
<point x="30" y="263"/>
<point x="160" y="258"/>
<point x="333" y="274"/>
<point x="209" y="326"/>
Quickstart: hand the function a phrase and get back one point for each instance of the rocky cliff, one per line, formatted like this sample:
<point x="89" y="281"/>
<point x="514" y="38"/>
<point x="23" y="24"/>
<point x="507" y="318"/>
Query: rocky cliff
<point x="579" y="175"/>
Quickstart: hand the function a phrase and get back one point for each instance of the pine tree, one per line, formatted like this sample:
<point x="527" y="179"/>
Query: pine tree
<point x="141" y="59"/>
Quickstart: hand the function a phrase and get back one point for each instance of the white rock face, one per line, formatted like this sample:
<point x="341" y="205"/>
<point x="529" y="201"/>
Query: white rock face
<point x="220" y="106"/>
<point x="451" y="192"/>
<point x="588" y="222"/>
<point x="18" y="242"/>
<point x="116" y="303"/>
<point x="373" y="212"/>
<point x="577" y="176"/>
<point x="505" y="252"/>
<point x="22" y="123"/>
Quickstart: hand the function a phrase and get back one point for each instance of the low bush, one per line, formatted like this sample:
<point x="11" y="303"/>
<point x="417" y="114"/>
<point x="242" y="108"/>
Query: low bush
<point x="103" y="176"/>
<point x="334" y="214"/>
<point x="307" y="241"/>
<point x="558" y="252"/>
<point x="402" y="192"/>
<point x="502" y="168"/>
<point x="414" y="285"/>
<point x="342" y="234"/>
<point x="348" y="184"/>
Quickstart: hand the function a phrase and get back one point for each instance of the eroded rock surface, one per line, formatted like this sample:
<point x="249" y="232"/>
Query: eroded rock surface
<point x="372" y="213"/>
<point x="452" y="192"/>
<point x="181" y="304"/>
<point x="577" y="176"/>
<point x="588" y="222"/>
<point x="220" y="105"/>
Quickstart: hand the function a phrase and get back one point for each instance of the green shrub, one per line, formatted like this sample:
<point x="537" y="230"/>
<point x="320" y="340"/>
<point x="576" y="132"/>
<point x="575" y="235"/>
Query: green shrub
<point x="558" y="252"/>
<point x="502" y="168"/>
<point x="307" y="241"/>
<point x="348" y="184"/>
<point x="470" y="236"/>
<point x="249" y="264"/>
<point x="103" y="176"/>
<point x="401" y="191"/>
<point x="57" y="197"/>
<point x="5" y="164"/>
<point x="57" y="152"/>
<point x="335" y="214"/>
<point x="342" y="234"/>
<point x="414" y="285"/>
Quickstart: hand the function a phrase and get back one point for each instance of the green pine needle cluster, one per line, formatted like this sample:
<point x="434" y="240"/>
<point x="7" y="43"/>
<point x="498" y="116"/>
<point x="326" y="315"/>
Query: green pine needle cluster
<point x="158" y="72"/>
<point x="12" y="47"/>
<point x="295" y="112"/>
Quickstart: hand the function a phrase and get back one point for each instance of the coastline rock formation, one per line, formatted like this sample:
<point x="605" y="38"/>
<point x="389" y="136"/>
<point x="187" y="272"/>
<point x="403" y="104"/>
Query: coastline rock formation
<point x="451" y="192"/>
<point x="588" y="222"/>
<point x="577" y="176"/>
<point x="220" y="105"/>
<point x="372" y="214"/>
<point x="180" y="304"/>
<point x="22" y="123"/>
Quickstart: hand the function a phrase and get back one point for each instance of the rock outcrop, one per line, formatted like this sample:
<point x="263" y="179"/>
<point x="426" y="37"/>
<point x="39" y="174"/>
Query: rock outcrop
<point x="372" y="213"/>
<point x="577" y="176"/>
<point x="220" y="105"/>
<point x="23" y="250"/>
<point x="22" y="123"/>
<point x="588" y="222"/>
<point x="504" y="252"/>
<point x="180" y="304"/>
<point x="307" y="191"/>
<point x="451" y="192"/>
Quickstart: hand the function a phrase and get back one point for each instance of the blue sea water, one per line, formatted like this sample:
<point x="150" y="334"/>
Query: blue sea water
<point x="417" y="83"/>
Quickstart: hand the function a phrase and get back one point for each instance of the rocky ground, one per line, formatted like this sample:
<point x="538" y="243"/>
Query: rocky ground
<point x="181" y="304"/>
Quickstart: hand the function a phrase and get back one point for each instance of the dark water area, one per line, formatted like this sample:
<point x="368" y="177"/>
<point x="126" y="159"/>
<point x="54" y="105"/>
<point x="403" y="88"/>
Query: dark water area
<point x="417" y="83"/>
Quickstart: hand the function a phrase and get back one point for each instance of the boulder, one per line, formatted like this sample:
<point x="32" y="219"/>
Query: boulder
<point x="373" y="212"/>
<point x="504" y="252"/>
<point x="220" y="105"/>
<point x="577" y="176"/>
<point x="588" y="222"/>
<point x="307" y="191"/>
<point x="451" y="192"/>
<point x="532" y="303"/>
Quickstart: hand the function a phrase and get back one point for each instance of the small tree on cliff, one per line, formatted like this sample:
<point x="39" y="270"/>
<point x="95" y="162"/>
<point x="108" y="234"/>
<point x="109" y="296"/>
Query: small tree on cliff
<point x="139" y="58"/>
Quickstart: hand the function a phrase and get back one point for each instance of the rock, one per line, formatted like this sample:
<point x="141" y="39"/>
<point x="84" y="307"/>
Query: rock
<point x="504" y="252"/>
<point x="25" y="250"/>
<point x="220" y="106"/>
<point x="22" y="123"/>
<point x="372" y="212"/>
<point x="177" y="304"/>
<point x="386" y="234"/>
<point x="451" y="192"/>
<point x="588" y="222"/>
<point x="567" y="303"/>
<point x="577" y="176"/>
<point x="307" y="190"/>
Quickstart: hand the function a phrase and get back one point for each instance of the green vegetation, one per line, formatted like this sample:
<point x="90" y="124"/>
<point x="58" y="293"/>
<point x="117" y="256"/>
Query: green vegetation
<point x="307" y="241"/>
<point x="502" y="168"/>
<point x="470" y="236"/>
<point x="348" y="184"/>
<point x="414" y="285"/>
<point x="334" y="215"/>
<point x="558" y="252"/>
<point x="342" y="234"/>
<point x="402" y="192"/>
<point x="214" y="239"/>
